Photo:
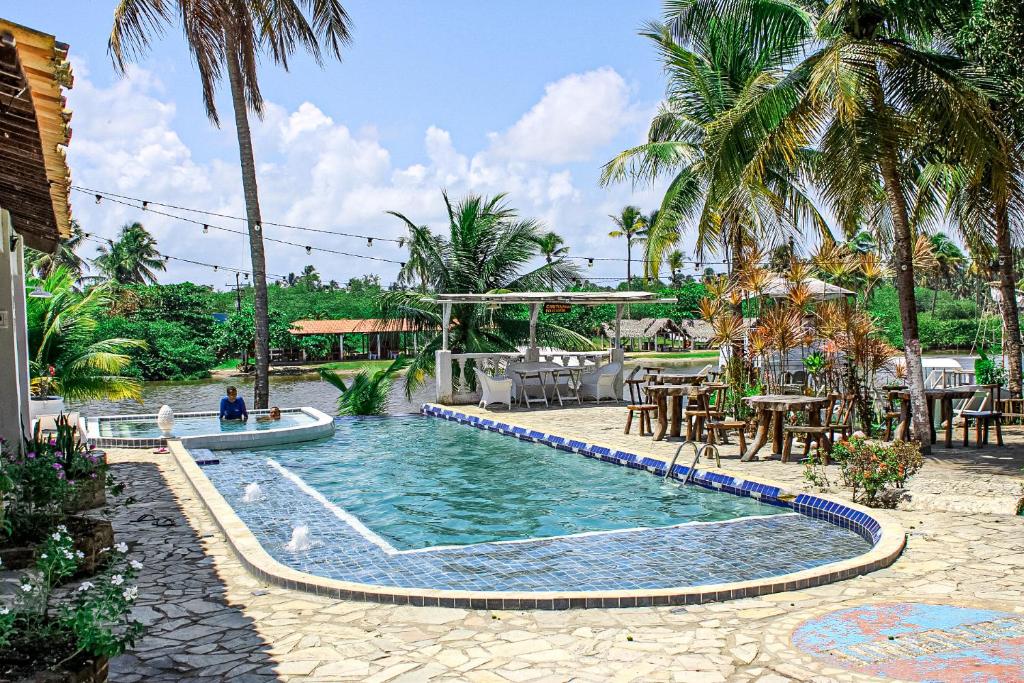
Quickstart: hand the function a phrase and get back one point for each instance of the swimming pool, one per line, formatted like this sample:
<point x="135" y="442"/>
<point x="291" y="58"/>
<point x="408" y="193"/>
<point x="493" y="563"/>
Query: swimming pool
<point x="206" y="430"/>
<point x="420" y="510"/>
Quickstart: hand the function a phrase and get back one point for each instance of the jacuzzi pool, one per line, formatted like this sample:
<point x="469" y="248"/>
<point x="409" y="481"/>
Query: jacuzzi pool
<point x="422" y="510"/>
<point x="206" y="430"/>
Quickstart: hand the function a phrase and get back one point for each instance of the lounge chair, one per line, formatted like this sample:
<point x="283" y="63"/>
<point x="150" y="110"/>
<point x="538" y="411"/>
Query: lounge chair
<point x="601" y="383"/>
<point x="494" y="389"/>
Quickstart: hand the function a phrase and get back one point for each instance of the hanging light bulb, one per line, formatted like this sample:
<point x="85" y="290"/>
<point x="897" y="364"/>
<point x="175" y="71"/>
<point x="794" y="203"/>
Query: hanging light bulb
<point x="145" y="205"/>
<point x="215" y="269"/>
<point x="402" y="264"/>
<point x="309" y="250"/>
<point x="206" y="228"/>
<point x="590" y="263"/>
<point x="246" y="275"/>
<point x="369" y="241"/>
<point x="99" y="199"/>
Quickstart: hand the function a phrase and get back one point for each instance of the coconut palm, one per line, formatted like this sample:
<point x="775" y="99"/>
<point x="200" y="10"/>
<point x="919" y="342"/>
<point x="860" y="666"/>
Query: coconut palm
<point x="487" y="248"/>
<point x="369" y="392"/>
<point x="675" y="261"/>
<point x="63" y="357"/>
<point x="232" y="36"/>
<point x="948" y="262"/>
<point x="630" y="224"/>
<point x="872" y="90"/>
<point x="131" y="259"/>
<point x="421" y="244"/>
<point x="43" y="264"/>
<point x="551" y="246"/>
<point x="712" y="74"/>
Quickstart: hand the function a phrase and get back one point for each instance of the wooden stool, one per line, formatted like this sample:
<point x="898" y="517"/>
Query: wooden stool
<point x="645" y="411"/>
<point x="715" y="426"/>
<point x="819" y="431"/>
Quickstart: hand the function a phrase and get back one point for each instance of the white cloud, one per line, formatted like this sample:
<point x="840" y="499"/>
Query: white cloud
<point x="578" y="115"/>
<point x="316" y="171"/>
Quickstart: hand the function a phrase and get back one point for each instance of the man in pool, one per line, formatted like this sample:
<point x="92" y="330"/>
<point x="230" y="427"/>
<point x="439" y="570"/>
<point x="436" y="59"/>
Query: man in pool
<point x="274" y="416"/>
<point x="232" y="406"/>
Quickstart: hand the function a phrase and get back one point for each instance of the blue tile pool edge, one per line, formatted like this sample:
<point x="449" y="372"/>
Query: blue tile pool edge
<point x="258" y="562"/>
<point x="846" y="516"/>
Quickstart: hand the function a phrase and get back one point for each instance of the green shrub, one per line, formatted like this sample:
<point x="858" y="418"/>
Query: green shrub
<point x="174" y="350"/>
<point x="871" y="469"/>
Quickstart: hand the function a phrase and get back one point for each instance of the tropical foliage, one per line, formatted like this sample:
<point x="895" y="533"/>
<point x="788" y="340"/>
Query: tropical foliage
<point x="369" y="392"/>
<point x="130" y="259"/>
<point x="65" y="357"/>
<point x="487" y="248"/>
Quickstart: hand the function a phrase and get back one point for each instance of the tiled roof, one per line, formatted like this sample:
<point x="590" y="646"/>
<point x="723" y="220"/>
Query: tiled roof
<point x="349" y="326"/>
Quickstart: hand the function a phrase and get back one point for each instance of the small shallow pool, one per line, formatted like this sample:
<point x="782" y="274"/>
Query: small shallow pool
<point x="146" y="428"/>
<point x="425" y="503"/>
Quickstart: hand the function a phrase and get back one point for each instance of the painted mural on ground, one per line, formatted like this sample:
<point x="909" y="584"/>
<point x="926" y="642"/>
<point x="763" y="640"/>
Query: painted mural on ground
<point x="919" y="642"/>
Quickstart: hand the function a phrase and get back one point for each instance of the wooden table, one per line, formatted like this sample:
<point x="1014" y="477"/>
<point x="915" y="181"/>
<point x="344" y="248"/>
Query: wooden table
<point x="659" y="394"/>
<point x="771" y="413"/>
<point x="939" y="395"/>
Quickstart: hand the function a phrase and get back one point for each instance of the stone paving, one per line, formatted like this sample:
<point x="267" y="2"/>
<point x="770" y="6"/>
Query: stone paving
<point x="211" y="620"/>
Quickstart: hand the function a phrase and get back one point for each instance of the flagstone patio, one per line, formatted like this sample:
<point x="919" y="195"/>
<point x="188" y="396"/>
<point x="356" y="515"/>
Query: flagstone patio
<point x="211" y="620"/>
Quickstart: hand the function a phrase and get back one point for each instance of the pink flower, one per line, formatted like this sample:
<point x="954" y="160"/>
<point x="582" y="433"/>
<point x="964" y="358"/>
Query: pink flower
<point x="31" y="455"/>
<point x="56" y="465"/>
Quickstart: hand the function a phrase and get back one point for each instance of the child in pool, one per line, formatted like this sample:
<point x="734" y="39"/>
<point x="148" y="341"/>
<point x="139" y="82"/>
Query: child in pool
<point x="274" y="416"/>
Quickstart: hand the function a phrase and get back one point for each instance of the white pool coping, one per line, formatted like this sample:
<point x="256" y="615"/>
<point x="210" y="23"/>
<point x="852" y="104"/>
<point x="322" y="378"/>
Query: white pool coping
<point x="322" y="426"/>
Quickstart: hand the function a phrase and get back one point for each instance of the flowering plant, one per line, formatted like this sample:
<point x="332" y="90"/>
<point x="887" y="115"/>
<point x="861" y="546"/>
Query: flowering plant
<point x="38" y="483"/>
<point x="93" y="620"/>
<point x="872" y="469"/>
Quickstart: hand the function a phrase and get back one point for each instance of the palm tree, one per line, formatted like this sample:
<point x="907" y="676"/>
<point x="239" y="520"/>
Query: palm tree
<point x="675" y="262"/>
<point x="131" y="259"/>
<point x="422" y="245"/>
<point x="368" y="393"/>
<point x="712" y="74"/>
<point x="872" y="91"/>
<point x="551" y="246"/>
<point x="63" y="356"/>
<point x="43" y="264"/>
<point x="631" y="225"/>
<point x="948" y="259"/>
<point x="232" y="36"/>
<point x="488" y="248"/>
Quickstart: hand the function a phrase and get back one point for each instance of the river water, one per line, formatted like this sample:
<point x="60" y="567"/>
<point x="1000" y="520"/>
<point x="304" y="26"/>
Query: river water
<point x="285" y="391"/>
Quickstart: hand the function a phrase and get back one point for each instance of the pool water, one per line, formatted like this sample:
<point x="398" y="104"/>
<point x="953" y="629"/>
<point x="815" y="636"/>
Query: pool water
<point x="196" y="426"/>
<point x="422" y="482"/>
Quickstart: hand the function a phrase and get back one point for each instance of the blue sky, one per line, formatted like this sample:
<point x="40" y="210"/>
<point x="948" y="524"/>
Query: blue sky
<point x="527" y="97"/>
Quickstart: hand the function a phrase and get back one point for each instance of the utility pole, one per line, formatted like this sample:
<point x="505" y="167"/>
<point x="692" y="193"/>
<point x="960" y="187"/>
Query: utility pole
<point x="238" y="309"/>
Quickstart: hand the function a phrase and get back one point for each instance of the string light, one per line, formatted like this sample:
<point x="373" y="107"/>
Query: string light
<point x="145" y="205"/>
<point x="369" y="241"/>
<point x="257" y="227"/>
<point x="99" y="199"/>
<point x="309" y="250"/>
<point x="206" y="228"/>
<point x="590" y="263"/>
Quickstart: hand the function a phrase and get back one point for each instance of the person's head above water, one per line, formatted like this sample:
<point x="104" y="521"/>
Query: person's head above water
<point x="275" y="413"/>
<point x="232" y="392"/>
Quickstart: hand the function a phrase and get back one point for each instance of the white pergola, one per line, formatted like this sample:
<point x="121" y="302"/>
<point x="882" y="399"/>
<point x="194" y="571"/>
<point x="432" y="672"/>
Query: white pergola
<point x="535" y="300"/>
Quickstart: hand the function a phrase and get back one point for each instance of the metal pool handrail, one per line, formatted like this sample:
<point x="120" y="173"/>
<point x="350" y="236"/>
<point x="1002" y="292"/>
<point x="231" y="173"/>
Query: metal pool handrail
<point x="697" y="451"/>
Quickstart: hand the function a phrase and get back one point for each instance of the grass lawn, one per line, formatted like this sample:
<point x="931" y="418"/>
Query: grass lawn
<point x="228" y="364"/>
<point x="704" y="353"/>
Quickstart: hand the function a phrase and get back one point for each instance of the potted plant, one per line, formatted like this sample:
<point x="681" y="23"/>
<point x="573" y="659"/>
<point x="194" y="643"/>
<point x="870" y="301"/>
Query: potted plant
<point x="68" y="636"/>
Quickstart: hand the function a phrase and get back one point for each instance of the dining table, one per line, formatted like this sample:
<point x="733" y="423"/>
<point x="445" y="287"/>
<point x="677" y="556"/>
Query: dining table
<point x="552" y="372"/>
<point x="944" y="397"/>
<point x="671" y="407"/>
<point x="771" y="413"/>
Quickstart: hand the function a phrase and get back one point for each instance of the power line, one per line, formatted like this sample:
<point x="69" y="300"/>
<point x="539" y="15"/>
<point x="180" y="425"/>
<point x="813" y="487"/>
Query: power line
<point x="145" y="203"/>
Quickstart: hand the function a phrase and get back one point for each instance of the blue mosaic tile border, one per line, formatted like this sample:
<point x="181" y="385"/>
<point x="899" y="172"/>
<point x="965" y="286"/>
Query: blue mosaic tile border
<point x="812" y="506"/>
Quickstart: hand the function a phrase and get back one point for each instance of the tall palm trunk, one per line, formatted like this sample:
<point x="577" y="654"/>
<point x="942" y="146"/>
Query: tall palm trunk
<point x="629" y="262"/>
<point x="261" y="398"/>
<point x="1008" y="292"/>
<point x="904" y="251"/>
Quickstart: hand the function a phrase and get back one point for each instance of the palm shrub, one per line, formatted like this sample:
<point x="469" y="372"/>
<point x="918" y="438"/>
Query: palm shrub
<point x="130" y="259"/>
<point x="63" y="355"/>
<point x="488" y="248"/>
<point x="369" y="392"/>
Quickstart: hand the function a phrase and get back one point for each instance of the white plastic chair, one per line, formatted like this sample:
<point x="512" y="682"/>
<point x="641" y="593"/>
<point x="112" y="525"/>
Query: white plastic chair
<point x="494" y="389"/>
<point x="601" y="384"/>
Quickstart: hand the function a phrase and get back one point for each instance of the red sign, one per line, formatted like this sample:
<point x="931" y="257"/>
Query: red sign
<point x="556" y="308"/>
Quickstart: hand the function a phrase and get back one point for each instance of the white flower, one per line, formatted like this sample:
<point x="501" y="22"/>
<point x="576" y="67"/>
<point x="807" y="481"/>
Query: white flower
<point x="42" y="556"/>
<point x="121" y="547"/>
<point x="55" y="535"/>
<point x="27" y="587"/>
<point x="104" y="550"/>
<point x="61" y="527"/>
<point x="79" y="554"/>
<point x="116" y="579"/>
<point x="130" y="593"/>
<point x="67" y="553"/>
<point x="84" y="586"/>
<point x="4" y="611"/>
<point x="136" y="565"/>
